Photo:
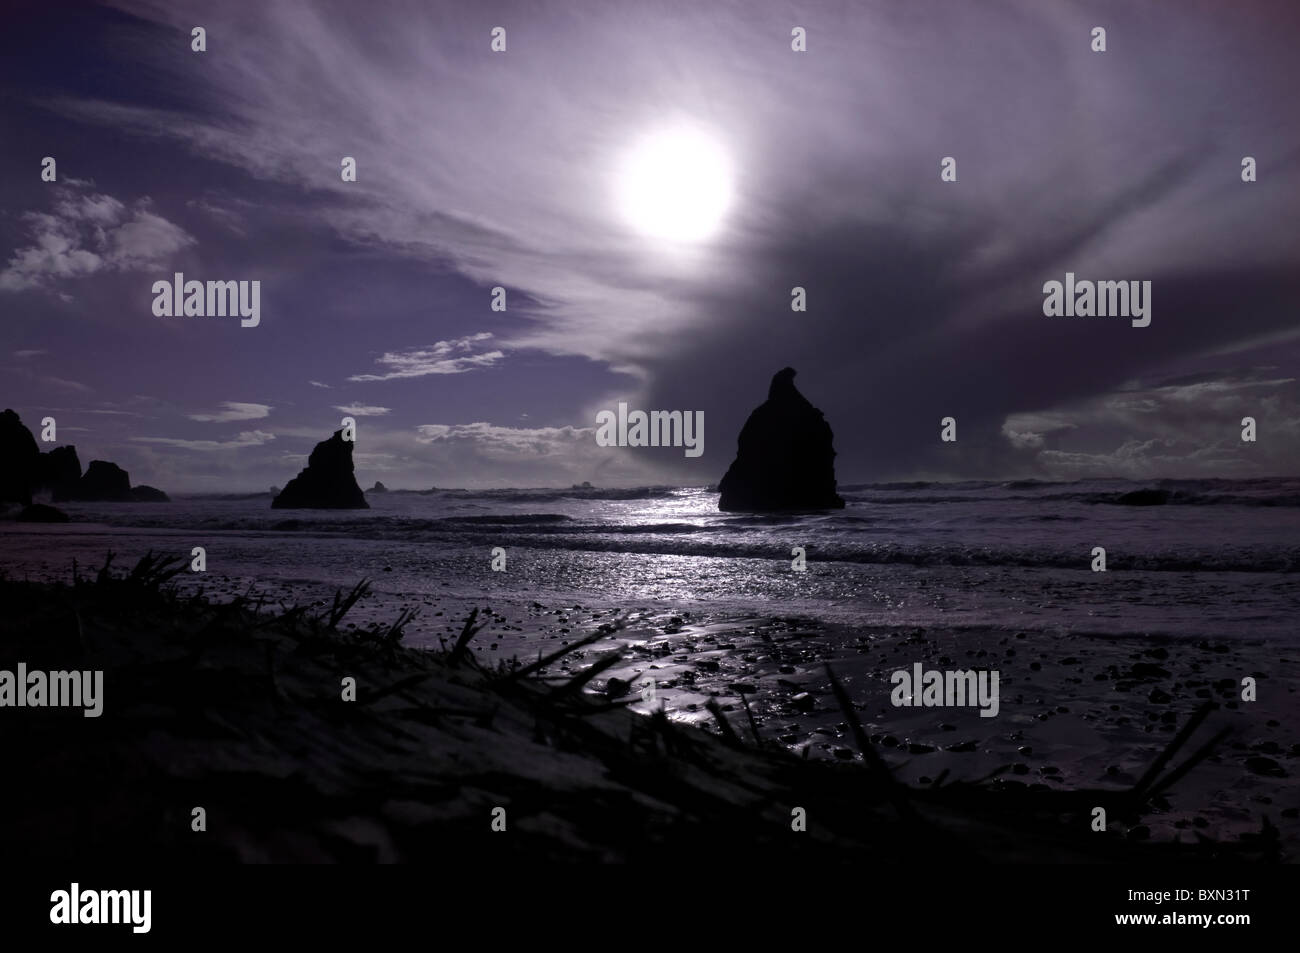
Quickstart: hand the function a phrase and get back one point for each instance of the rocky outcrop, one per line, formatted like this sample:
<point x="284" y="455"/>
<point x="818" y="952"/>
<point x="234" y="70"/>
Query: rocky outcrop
<point x="785" y="459"/>
<point x="40" y="513"/>
<point x="378" y="488"/>
<point x="103" y="481"/>
<point x="25" y="471"/>
<point x="328" y="482"/>
<point x="19" y="459"/>
<point x="59" y="471"/>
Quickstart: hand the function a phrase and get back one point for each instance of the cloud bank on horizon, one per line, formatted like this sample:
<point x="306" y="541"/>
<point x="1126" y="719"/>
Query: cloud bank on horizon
<point x="479" y="170"/>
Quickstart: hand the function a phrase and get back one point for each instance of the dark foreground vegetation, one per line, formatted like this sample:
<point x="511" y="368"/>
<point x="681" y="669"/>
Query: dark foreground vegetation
<point x="237" y="707"/>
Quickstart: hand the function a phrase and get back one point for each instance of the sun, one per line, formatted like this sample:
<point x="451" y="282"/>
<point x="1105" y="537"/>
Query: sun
<point x="676" y="185"/>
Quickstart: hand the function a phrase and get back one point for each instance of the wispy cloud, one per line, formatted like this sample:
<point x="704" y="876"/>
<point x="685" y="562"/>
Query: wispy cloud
<point x="235" y="410"/>
<point x="25" y="371"/>
<point x="442" y="193"/>
<point x="444" y="357"/>
<point x="247" y="438"/>
<point x="65" y="383"/>
<point x="106" y="411"/>
<point x="319" y="384"/>
<point x="363" y="410"/>
<point x="34" y="352"/>
<point x="227" y="218"/>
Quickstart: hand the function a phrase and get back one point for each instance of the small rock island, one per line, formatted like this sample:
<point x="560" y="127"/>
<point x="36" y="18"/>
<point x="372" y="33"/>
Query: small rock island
<point x="785" y="459"/>
<point x="328" y="483"/>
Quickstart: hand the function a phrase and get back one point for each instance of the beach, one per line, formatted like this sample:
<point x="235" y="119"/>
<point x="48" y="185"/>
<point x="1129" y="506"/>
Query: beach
<point x="1096" y="671"/>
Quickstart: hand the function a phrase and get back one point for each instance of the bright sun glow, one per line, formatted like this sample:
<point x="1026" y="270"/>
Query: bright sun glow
<point x="676" y="185"/>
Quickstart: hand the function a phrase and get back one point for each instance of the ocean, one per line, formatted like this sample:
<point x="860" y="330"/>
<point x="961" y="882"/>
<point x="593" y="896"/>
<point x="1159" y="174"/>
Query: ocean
<point x="1213" y="558"/>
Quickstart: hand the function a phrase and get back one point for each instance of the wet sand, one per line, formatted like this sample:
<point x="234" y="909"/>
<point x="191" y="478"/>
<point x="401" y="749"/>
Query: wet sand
<point x="1075" y="711"/>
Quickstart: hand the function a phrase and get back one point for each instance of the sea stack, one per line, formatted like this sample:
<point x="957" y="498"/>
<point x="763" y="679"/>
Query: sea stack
<point x="148" y="494"/>
<point x="40" y="513"/>
<point x="59" y="471"/>
<point x="328" y="483"/>
<point x="25" y="471"/>
<point x="19" y="457"/>
<point x="102" y="481"/>
<point x="785" y="459"/>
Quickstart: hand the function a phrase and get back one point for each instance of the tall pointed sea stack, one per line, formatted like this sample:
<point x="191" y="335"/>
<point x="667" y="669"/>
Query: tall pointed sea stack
<point x="785" y="459"/>
<point x="328" y="483"/>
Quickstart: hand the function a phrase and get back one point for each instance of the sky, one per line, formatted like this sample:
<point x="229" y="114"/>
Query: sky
<point x="479" y="169"/>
